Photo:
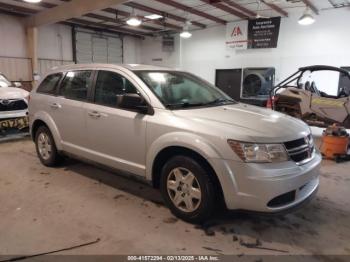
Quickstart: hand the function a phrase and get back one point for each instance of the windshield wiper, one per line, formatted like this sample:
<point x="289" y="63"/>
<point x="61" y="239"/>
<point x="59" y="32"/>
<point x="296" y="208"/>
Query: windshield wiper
<point x="220" y="101"/>
<point x="184" y="105"/>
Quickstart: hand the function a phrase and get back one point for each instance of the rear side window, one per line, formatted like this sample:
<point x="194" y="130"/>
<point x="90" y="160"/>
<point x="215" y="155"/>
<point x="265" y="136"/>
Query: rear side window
<point x="48" y="86"/>
<point x="109" y="85"/>
<point x="76" y="85"/>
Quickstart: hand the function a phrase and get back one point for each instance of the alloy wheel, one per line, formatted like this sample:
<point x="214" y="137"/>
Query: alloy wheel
<point x="44" y="146"/>
<point x="184" y="190"/>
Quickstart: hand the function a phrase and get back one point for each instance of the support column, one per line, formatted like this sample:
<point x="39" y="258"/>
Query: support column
<point x="32" y="45"/>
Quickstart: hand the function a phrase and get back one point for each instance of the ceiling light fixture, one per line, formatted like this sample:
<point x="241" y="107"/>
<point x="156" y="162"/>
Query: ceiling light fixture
<point x="153" y="17"/>
<point x="306" y="18"/>
<point x="32" y="1"/>
<point x="134" y="20"/>
<point x="185" y="32"/>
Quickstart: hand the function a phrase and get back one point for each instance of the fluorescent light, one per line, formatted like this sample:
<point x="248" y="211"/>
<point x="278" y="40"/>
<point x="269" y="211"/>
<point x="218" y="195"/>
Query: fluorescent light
<point x="153" y="16"/>
<point x="134" y="21"/>
<point x="185" y="34"/>
<point x="32" y="1"/>
<point x="306" y="18"/>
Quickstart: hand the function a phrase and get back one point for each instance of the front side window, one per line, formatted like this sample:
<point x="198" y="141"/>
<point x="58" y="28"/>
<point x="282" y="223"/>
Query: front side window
<point x="183" y="90"/>
<point x="4" y="82"/>
<point x="109" y="86"/>
<point x="76" y="85"/>
<point x="48" y="86"/>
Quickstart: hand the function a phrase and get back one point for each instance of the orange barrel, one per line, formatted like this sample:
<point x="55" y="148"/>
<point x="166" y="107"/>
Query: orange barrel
<point x="334" y="145"/>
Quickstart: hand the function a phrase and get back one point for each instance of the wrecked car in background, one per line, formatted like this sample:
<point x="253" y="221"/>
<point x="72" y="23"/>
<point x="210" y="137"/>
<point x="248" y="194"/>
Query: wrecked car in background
<point x="13" y="107"/>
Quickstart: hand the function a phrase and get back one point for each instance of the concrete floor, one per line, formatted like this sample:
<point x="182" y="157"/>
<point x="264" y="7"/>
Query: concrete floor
<point x="44" y="209"/>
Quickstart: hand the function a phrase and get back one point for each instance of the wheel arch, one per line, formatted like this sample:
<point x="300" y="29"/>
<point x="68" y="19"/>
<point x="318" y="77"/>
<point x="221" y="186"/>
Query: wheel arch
<point x="44" y="119"/>
<point x="167" y="153"/>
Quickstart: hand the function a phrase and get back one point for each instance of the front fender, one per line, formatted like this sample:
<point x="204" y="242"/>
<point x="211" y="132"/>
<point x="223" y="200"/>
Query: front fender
<point x="179" y="139"/>
<point x="46" y="118"/>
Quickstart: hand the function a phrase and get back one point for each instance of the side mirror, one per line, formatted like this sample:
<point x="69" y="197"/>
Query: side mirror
<point x="133" y="102"/>
<point x="18" y="84"/>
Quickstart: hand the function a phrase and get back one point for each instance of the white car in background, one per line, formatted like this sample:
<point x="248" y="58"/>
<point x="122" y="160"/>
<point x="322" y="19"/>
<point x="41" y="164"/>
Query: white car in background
<point x="13" y="106"/>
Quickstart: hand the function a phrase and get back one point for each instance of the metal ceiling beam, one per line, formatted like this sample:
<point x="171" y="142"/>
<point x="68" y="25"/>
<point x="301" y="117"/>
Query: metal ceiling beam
<point x="25" y="11"/>
<point x="162" y="13"/>
<point x="192" y="11"/>
<point x="94" y="28"/>
<point x="311" y="6"/>
<point x="115" y="21"/>
<point x="68" y="10"/>
<point x="17" y="9"/>
<point x="127" y="14"/>
<point x="110" y="27"/>
<point x="239" y="7"/>
<point x="225" y="8"/>
<point x="156" y="22"/>
<point x="276" y="8"/>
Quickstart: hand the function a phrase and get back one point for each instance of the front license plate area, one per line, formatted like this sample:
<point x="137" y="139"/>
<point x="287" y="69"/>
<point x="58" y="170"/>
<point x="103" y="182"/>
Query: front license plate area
<point x="16" y="123"/>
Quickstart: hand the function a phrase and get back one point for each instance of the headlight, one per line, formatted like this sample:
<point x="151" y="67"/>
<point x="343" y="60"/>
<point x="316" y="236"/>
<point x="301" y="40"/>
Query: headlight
<point x="259" y="153"/>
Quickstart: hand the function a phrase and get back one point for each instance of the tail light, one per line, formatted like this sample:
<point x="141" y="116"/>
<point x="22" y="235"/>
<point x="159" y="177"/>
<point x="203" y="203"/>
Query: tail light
<point x="271" y="102"/>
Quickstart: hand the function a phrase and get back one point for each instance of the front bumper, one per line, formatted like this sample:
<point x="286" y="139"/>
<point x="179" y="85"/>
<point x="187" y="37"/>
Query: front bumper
<point x="269" y="187"/>
<point x="13" y="114"/>
<point x="13" y="122"/>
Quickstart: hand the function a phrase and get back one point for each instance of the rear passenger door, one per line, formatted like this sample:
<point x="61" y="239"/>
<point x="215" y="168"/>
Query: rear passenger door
<point x="68" y="109"/>
<point x="117" y="136"/>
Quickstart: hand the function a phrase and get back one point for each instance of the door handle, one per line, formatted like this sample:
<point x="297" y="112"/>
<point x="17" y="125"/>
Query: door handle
<point x="55" y="106"/>
<point x="94" y="114"/>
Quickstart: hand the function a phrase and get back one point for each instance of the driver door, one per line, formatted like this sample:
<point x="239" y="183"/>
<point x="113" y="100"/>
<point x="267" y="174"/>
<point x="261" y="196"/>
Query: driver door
<point x="116" y="136"/>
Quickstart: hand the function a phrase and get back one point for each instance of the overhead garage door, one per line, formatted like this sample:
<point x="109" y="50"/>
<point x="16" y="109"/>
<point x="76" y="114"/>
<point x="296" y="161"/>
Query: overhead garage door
<point x="92" y="47"/>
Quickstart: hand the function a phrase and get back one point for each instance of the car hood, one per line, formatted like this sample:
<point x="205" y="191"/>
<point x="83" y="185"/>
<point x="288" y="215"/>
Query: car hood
<point x="12" y="93"/>
<point x="246" y="123"/>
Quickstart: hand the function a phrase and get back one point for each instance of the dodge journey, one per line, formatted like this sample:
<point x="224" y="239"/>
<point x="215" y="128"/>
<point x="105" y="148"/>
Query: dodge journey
<point x="177" y="132"/>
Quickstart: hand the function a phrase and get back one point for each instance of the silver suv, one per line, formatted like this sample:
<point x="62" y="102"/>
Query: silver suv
<point x="179" y="133"/>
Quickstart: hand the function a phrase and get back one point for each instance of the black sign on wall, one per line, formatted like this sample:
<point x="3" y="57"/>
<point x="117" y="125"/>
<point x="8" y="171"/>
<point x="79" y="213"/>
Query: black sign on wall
<point x="263" y="32"/>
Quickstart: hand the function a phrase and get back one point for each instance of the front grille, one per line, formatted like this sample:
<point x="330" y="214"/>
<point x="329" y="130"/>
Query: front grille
<point x="300" y="150"/>
<point x="13" y="105"/>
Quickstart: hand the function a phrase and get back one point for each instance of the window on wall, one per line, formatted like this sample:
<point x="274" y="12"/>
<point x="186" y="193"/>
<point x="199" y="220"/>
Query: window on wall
<point x="109" y="86"/>
<point x="48" y="86"/>
<point x="76" y="85"/>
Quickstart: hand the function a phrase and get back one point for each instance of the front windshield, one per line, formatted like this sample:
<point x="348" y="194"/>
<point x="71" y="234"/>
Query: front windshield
<point x="4" y="82"/>
<point x="182" y="90"/>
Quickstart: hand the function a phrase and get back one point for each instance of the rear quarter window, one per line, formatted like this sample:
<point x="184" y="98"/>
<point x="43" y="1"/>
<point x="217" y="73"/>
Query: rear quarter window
<point x="76" y="84"/>
<point x="49" y="85"/>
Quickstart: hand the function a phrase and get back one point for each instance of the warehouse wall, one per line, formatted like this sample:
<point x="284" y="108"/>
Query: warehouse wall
<point x="55" y="42"/>
<point x="13" y="37"/>
<point x="131" y="50"/>
<point x="152" y="53"/>
<point x="54" y="48"/>
<point x="325" y="42"/>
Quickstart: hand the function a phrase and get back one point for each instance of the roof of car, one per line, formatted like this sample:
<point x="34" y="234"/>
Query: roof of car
<point x="132" y="67"/>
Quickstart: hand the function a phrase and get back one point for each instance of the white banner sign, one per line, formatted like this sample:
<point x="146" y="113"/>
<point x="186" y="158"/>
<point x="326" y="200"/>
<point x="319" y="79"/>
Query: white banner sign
<point x="237" y="35"/>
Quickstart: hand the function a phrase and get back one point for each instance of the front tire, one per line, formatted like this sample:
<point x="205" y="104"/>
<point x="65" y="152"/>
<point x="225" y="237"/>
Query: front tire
<point x="46" y="148"/>
<point x="188" y="189"/>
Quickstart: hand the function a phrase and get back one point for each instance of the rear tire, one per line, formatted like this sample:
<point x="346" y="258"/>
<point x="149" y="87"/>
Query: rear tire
<point x="46" y="148"/>
<point x="188" y="189"/>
